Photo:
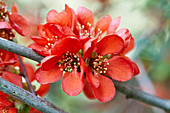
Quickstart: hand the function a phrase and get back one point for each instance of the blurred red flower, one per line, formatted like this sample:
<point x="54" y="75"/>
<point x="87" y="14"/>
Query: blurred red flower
<point x="15" y="21"/>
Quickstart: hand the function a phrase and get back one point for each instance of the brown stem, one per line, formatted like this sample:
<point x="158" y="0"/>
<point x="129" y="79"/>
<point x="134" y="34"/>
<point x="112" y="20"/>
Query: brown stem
<point x="25" y="75"/>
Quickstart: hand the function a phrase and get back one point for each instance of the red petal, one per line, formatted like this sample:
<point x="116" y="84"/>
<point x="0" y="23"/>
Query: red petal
<point x="85" y="16"/>
<point x="39" y="49"/>
<point x="30" y="71"/>
<point x="19" y="23"/>
<point x="8" y="58"/>
<point x="4" y="102"/>
<point x="39" y="40"/>
<point x="119" y="68"/>
<point x="72" y="84"/>
<point x="5" y="25"/>
<point x="71" y="44"/>
<point x="33" y="110"/>
<point x="106" y="90"/>
<point x="113" y="25"/>
<point x="88" y="90"/>
<point x="110" y="44"/>
<point x="10" y="61"/>
<point x="3" y="5"/>
<point x="136" y="69"/>
<point x="47" y="31"/>
<point x="13" y="78"/>
<point x="124" y="33"/>
<point x="55" y="30"/>
<point x="71" y="17"/>
<point x="49" y="62"/>
<point x="42" y="30"/>
<point x="130" y="46"/>
<point x="84" y="39"/>
<point x="91" y="79"/>
<point x="46" y="77"/>
<point x="67" y="31"/>
<point x="58" y="18"/>
<point x="103" y="24"/>
<point x="43" y="89"/>
<point x="14" y="8"/>
<point x="3" y="94"/>
<point x="89" y="47"/>
<point x="13" y="110"/>
<point x="82" y="67"/>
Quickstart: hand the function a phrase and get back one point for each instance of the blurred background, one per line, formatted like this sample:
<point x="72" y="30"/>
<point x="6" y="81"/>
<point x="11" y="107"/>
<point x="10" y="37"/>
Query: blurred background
<point x="149" y="23"/>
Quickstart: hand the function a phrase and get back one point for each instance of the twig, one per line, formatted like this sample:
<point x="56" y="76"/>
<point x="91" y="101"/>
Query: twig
<point x="142" y="96"/>
<point x="123" y="88"/>
<point x="25" y="76"/>
<point x="40" y="104"/>
<point x="19" y="50"/>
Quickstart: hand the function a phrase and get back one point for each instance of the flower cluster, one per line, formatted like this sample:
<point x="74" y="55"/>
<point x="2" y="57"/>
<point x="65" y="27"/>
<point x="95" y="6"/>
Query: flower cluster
<point x="77" y="51"/>
<point x="11" y="71"/>
<point x="12" y="20"/>
<point x="10" y="68"/>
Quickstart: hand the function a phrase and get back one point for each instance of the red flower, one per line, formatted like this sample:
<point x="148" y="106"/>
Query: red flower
<point x="15" y="21"/>
<point x="65" y="18"/>
<point x="6" y="103"/>
<point x="6" y="106"/>
<point x="6" y="59"/>
<point x="63" y="57"/>
<point x="6" y="30"/>
<point x="58" y="25"/>
<point x="86" y="28"/>
<point x="18" y="22"/>
<point x="104" y="57"/>
<point x="49" y="34"/>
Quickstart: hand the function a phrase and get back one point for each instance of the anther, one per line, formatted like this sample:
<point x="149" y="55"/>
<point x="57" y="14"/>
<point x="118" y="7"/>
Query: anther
<point x="46" y="46"/>
<point x="1" y="54"/>
<point x="98" y="29"/>
<point x="105" y="69"/>
<point x="49" y="44"/>
<point x="83" y="26"/>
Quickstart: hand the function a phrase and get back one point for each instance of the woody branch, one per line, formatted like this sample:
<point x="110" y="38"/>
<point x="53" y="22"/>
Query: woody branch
<point x="129" y="91"/>
<point x="31" y="99"/>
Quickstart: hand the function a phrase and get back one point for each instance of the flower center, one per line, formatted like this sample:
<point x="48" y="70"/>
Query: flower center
<point x="3" y="11"/>
<point x="69" y="62"/>
<point x="7" y="34"/>
<point x="99" y="64"/>
<point x="89" y="32"/>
